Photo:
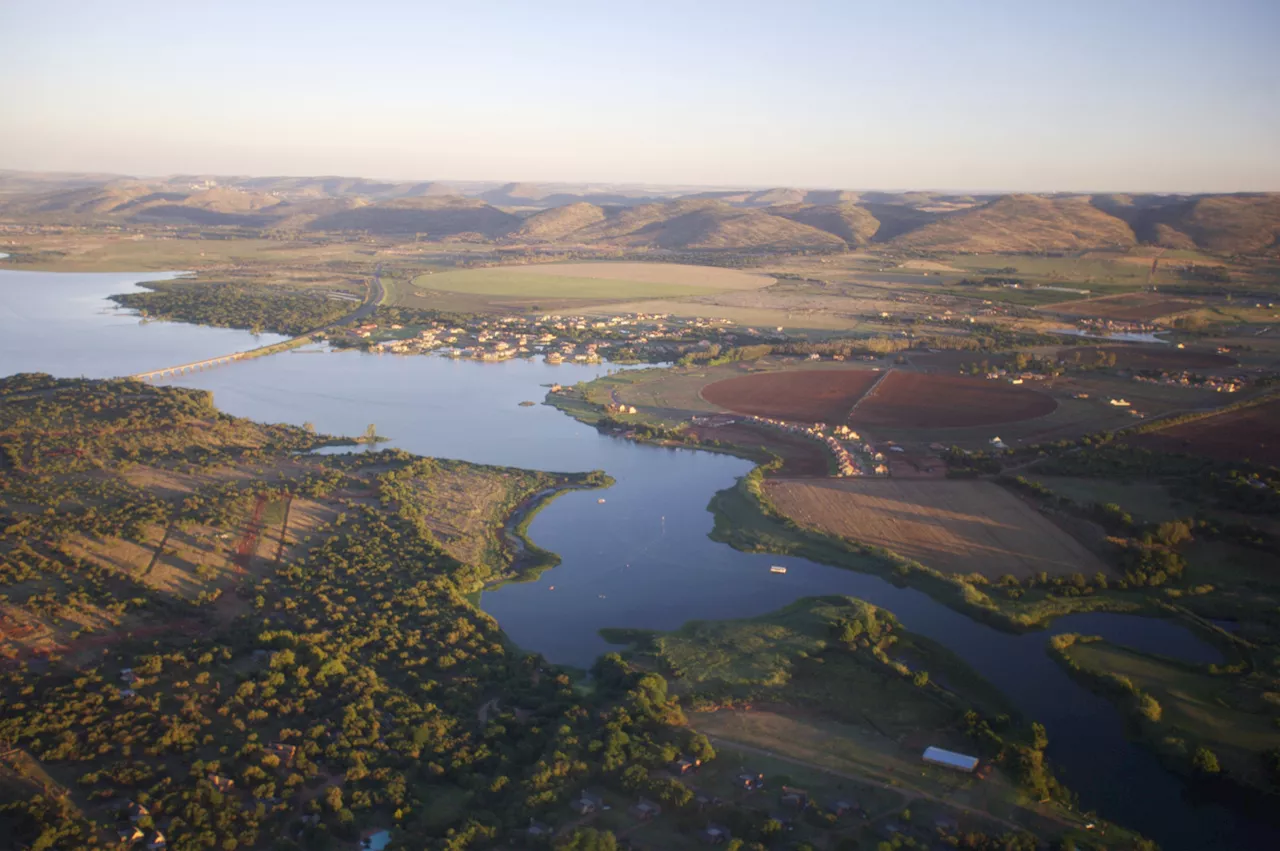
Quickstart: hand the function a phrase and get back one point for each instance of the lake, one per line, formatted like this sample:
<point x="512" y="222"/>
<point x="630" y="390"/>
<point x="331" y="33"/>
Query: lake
<point x="642" y="558"/>
<point x="63" y="324"/>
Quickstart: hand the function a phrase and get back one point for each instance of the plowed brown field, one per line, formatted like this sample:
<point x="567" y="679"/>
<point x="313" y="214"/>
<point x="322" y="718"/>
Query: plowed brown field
<point x="1147" y="357"/>
<point x="954" y="526"/>
<point x="1249" y="433"/>
<point x="915" y="400"/>
<point x="808" y="395"/>
<point x="1136" y="307"/>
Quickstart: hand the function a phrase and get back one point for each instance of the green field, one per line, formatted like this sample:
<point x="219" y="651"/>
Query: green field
<point x="1197" y="708"/>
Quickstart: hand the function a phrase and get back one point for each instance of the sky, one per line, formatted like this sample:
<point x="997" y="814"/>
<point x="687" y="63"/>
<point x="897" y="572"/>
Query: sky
<point x="1122" y="95"/>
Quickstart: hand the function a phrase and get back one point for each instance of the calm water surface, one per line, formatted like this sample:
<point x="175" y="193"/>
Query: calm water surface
<point x="642" y="558"/>
<point x="63" y="324"/>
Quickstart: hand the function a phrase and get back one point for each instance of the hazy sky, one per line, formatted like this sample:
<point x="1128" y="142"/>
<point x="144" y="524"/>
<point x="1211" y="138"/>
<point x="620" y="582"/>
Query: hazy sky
<point x="970" y="94"/>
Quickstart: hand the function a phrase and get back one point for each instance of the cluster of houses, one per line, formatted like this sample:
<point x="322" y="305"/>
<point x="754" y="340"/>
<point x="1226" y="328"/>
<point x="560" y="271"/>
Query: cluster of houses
<point x="560" y="339"/>
<point x="845" y="463"/>
<point x="131" y="831"/>
<point x="1115" y="326"/>
<point x="1218" y="383"/>
<point x="1016" y="377"/>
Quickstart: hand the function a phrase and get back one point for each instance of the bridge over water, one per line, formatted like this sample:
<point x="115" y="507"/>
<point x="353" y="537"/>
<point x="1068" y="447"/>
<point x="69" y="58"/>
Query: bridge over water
<point x="170" y="371"/>
<point x="373" y="297"/>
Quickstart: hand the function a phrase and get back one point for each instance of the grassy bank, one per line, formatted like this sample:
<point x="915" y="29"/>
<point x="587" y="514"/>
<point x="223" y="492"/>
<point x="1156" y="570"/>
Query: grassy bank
<point x="1207" y="722"/>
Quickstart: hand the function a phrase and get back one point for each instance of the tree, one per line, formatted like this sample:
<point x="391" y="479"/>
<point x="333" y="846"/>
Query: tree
<point x="588" y="839"/>
<point x="1205" y="761"/>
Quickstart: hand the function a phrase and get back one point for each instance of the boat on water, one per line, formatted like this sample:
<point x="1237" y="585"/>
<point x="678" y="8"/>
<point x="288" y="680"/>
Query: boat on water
<point x="601" y="501"/>
<point x="777" y="568"/>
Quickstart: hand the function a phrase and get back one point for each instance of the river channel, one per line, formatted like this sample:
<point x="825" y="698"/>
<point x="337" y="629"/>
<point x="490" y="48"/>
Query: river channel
<point x="641" y="558"/>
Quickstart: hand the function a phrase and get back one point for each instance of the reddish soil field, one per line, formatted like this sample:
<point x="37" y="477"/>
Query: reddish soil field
<point x="809" y="396"/>
<point x="1251" y="433"/>
<point x="915" y="400"/>
<point x="1148" y="357"/>
<point x="800" y="457"/>
<point x="1139" y="307"/>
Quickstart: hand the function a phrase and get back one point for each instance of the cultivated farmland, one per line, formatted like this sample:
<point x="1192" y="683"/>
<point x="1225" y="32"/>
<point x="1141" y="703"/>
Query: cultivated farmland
<point x="916" y="400"/>
<point x="959" y="527"/>
<point x="1148" y="357"/>
<point x="797" y="395"/>
<point x="1136" y="307"/>
<point x="1246" y="433"/>
<point x="594" y="280"/>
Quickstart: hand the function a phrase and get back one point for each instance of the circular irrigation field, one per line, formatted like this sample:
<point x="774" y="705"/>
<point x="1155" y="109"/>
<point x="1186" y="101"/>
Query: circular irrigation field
<point x="916" y="400"/>
<point x="896" y="399"/>
<point x="810" y="395"/>
<point x="593" y="280"/>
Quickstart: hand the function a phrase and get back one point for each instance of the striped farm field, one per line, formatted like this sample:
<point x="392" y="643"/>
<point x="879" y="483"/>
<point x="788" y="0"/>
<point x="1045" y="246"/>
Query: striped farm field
<point x="954" y="526"/>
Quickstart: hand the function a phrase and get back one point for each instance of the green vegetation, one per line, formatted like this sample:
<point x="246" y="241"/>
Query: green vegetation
<point x="258" y="308"/>
<point x="328" y="685"/>
<point x="1207" y="719"/>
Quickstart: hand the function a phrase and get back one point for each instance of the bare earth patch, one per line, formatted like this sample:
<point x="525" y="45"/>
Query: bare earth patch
<point x="702" y="277"/>
<point x="959" y="527"/>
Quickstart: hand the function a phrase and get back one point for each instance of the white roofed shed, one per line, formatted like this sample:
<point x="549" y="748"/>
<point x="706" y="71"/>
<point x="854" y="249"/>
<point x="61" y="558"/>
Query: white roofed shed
<point x="950" y="759"/>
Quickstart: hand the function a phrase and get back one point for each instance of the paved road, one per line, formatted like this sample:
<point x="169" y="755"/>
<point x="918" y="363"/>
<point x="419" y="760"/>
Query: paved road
<point x="374" y="298"/>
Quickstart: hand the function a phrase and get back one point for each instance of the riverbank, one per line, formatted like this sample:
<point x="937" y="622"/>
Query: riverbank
<point x="1212" y="735"/>
<point x="530" y="560"/>
<point x="779" y="685"/>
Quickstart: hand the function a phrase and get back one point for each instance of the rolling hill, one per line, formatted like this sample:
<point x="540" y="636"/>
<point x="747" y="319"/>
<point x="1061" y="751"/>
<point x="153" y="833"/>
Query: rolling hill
<point x="703" y="224"/>
<point x="436" y="217"/>
<point x="558" y="222"/>
<point x="653" y="217"/>
<point x="1224" y="223"/>
<point x="1022" y="223"/>
<point x="855" y="225"/>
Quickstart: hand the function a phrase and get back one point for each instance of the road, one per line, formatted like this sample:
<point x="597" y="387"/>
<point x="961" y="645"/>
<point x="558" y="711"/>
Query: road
<point x="373" y="298"/>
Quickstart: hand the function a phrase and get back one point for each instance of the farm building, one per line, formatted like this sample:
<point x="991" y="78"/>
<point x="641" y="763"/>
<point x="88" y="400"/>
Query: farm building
<point x="950" y="759"/>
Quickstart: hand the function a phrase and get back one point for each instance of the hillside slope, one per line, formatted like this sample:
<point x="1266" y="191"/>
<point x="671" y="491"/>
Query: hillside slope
<point x="704" y="225"/>
<point x="558" y="222"/>
<point x="1022" y="223"/>
<point x="1227" y="223"/>
<point x="437" y="217"/>
<point x="854" y="224"/>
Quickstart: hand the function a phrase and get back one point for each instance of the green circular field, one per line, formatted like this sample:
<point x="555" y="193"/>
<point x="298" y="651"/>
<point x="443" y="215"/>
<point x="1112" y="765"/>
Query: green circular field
<point x="594" y="280"/>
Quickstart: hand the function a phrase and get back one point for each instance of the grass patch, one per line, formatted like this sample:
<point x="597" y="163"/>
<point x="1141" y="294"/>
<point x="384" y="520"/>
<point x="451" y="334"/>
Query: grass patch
<point x="1179" y="708"/>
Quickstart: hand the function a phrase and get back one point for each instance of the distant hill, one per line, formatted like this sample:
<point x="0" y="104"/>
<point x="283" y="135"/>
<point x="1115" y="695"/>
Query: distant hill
<point x="437" y="217"/>
<point x="558" y="222"/>
<point x="651" y="216"/>
<point x="1022" y="223"/>
<point x="851" y="223"/>
<point x="703" y="224"/>
<point x="1225" y="223"/>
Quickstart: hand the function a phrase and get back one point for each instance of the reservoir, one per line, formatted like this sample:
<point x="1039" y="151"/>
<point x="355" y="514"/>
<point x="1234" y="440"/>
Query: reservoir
<point x="640" y="559"/>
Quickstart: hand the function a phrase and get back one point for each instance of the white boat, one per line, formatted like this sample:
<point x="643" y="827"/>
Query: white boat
<point x="777" y="568"/>
<point x="601" y="501"/>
